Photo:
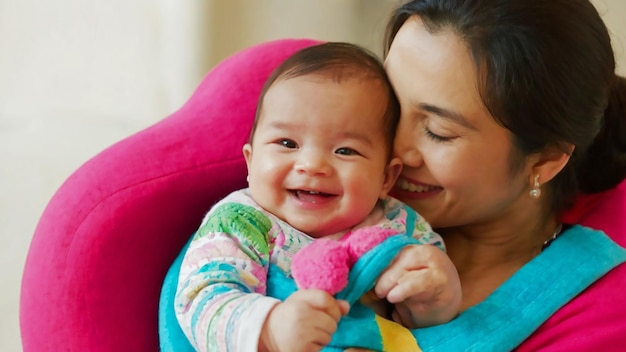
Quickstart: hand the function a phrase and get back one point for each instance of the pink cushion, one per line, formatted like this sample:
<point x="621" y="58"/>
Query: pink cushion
<point x="106" y="239"/>
<point x="605" y="211"/>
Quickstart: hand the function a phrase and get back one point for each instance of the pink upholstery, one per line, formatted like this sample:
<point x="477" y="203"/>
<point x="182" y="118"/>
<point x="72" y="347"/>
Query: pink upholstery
<point x="108" y="236"/>
<point x="605" y="211"/>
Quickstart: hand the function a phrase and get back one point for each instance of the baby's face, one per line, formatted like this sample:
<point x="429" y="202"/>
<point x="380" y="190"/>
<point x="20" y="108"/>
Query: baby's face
<point x="319" y="159"/>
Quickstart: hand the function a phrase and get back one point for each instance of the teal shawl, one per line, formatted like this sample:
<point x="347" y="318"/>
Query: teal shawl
<point x="507" y="317"/>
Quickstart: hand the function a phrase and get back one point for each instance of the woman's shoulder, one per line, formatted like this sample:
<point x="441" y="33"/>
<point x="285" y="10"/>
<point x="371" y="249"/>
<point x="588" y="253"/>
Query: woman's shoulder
<point x="595" y="320"/>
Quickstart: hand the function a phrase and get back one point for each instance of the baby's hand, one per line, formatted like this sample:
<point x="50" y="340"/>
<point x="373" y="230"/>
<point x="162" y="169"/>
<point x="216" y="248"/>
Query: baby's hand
<point x="305" y="321"/>
<point x="424" y="286"/>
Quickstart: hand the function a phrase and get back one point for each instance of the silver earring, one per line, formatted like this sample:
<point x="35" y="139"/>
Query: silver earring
<point x="535" y="192"/>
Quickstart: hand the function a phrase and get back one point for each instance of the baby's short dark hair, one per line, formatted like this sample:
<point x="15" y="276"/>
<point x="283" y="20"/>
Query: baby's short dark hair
<point x="340" y="61"/>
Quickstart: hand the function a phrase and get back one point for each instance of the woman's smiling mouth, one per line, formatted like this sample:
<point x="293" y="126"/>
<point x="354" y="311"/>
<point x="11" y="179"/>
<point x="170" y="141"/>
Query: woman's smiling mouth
<point x="405" y="185"/>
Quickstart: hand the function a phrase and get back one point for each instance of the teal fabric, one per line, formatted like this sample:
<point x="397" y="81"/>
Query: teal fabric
<point x="508" y="316"/>
<point x="358" y="328"/>
<point x="171" y="336"/>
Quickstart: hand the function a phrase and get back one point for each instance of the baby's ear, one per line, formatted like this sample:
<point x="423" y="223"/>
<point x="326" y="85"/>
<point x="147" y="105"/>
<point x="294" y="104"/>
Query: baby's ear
<point x="391" y="175"/>
<point x="247" y="154"/>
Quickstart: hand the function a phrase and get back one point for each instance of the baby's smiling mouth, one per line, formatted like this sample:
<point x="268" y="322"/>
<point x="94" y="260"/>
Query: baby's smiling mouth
<point x="310" y="196"/>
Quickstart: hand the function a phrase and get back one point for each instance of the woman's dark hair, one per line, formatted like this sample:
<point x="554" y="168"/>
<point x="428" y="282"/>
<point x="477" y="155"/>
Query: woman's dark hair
<point x="547" y="74"/>
<point x="340" y="61"/>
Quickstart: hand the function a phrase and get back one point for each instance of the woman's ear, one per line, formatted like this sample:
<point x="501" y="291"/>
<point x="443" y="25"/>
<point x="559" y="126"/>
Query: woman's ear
<point x="391" y="175"/>
<point x="549" y="163"/>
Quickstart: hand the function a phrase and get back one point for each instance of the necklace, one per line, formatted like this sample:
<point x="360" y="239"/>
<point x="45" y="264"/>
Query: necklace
<point x="549" y="241"/>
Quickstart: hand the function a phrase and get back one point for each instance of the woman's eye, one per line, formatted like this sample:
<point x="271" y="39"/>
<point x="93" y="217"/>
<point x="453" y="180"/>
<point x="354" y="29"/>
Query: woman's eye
<point x="288" y="143"/>
<point x="346" y="151"/>
<point x="436" y="137"/>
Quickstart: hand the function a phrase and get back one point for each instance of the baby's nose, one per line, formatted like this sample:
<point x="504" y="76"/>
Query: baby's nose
<point x="313" y="163"/>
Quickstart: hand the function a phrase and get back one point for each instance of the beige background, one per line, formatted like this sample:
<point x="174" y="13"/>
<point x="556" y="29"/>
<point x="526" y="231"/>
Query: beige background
<point x="79" y="75"/>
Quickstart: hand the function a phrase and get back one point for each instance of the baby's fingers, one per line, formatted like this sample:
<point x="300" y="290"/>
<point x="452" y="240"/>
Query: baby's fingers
<point x="344" y="307"/>
<point x="324" y="302"/>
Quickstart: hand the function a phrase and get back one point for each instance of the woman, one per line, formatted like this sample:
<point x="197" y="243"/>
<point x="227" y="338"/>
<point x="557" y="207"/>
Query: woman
<point x="510" y="108"/>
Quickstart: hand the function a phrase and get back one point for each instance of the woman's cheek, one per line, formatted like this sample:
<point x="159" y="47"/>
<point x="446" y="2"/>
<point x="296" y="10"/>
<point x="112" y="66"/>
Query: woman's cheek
<point x="448" y="165"/>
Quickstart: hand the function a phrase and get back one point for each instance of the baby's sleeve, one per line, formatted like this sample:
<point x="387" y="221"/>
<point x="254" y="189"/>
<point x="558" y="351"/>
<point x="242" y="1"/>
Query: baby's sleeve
<point x="424" y="233"/>
<point x="221" y="301"/>
<point x="400" y="215"/>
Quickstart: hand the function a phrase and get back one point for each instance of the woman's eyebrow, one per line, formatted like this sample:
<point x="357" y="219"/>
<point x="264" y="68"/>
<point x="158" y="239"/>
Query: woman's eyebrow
<point x="446" y="114"/>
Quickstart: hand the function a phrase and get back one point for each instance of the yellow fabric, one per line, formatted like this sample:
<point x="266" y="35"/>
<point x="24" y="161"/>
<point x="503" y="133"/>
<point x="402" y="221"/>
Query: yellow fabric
<point x="395" y="337"/>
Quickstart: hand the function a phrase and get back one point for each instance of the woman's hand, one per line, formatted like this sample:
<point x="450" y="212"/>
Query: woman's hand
<point x="305" y="321"/>
<point x="423" y="285"/>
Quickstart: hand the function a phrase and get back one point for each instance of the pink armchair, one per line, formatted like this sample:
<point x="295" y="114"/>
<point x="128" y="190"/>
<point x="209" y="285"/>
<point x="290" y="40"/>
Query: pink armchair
<point x="108" y="236"/>
<point x="104" y="244"/>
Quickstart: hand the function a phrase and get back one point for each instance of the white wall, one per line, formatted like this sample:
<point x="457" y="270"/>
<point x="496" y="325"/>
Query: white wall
<point x="613" y="12"/>
<point x="78" y="75"/>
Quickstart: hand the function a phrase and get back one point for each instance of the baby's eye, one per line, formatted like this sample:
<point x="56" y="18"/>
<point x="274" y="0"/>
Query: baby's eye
<point x="346" y="151"/>
<point x="288" y="143"/>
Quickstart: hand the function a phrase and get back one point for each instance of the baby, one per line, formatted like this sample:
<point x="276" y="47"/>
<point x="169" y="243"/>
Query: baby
<point x="320" y="165"/>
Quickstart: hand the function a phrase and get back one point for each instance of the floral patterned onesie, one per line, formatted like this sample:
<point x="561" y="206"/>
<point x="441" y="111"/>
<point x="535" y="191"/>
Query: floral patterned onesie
<point x="221" y="302"/>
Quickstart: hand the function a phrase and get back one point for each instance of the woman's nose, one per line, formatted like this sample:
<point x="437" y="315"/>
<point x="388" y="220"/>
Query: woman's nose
<point x="313" y="163"/>
<point x="405" y="148"/>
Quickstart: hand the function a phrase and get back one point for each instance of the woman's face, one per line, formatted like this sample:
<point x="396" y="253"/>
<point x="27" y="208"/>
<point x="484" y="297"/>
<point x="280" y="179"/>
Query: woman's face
<point x="456" y="157"/>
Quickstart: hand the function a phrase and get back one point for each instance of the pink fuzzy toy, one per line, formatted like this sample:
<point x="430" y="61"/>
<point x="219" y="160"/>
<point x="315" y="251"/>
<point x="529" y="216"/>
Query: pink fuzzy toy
<point x="325" y="264"/>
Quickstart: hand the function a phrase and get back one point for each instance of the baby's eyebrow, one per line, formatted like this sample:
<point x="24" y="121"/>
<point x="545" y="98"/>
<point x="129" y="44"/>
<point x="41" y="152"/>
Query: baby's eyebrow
<point x="446" y="114"/>
<point x="364" y="138"/>
<point x="283" y="126"/>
